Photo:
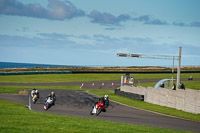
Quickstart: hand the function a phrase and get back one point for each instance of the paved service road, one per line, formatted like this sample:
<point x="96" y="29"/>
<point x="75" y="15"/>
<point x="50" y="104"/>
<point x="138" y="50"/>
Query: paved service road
<point x="79" y="103"/>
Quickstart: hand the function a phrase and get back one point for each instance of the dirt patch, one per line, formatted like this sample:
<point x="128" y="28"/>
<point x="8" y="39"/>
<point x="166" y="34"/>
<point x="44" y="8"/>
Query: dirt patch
<point x="23" y="92"/>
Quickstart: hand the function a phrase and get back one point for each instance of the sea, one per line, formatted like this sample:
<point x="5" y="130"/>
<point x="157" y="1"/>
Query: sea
<point x="30" y="65"/>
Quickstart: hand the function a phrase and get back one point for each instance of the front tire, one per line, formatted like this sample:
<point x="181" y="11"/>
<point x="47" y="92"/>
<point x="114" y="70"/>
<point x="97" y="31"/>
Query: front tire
<point x="98" y="112"/>
<point x="45" y="107"/>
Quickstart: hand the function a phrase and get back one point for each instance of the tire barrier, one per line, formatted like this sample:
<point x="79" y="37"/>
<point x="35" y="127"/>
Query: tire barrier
<point x="129" y="95"/>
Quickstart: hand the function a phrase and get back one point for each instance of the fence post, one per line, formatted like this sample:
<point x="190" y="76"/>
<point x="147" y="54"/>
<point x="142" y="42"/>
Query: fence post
<point x="29" y="101"/>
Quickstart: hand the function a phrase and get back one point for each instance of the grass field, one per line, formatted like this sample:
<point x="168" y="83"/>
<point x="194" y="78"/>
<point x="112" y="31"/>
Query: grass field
<point x="47" y="78"/>
<point x="17" y="118"/>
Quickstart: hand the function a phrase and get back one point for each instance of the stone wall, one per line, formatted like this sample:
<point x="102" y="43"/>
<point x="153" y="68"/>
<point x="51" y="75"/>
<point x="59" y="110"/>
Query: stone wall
<point x="187" y="100"/>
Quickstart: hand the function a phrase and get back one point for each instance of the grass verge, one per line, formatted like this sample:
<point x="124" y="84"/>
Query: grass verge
<point x="16" y="89"/>
<point x="17" y="118"/>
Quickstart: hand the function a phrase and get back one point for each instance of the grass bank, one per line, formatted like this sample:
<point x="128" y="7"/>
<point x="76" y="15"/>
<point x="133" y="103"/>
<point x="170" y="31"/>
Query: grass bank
<point x="17" y="118"/>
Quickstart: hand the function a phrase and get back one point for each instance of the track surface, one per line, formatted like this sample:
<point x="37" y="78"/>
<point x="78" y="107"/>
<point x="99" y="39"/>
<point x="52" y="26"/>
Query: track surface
<point x="79" y="103"/>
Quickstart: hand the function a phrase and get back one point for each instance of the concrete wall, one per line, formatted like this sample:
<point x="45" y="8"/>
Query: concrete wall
<point x="187" y="100"/>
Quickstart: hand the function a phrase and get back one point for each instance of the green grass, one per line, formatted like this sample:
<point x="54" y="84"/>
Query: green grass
<point x="49" y="78"/>
<point x="16" y="89"/>
<point x="17" y="118"/>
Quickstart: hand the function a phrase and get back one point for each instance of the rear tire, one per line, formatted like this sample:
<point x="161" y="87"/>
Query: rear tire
<point x="91" y="112"/>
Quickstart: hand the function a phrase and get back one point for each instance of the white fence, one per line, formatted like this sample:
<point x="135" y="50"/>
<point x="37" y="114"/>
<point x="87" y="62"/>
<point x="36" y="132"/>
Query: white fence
<point x="187" y="100"/>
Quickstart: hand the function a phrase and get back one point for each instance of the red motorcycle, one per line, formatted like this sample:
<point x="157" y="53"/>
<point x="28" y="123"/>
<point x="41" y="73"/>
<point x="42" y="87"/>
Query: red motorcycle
<point x="97" y="108"/>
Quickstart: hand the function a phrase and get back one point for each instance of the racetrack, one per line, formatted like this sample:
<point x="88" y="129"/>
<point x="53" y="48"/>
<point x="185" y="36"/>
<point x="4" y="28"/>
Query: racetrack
<point x="79" y="103"/>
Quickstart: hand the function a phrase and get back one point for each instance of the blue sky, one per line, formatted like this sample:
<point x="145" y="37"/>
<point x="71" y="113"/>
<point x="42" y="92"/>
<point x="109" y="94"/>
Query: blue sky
<point x="92" y="32"/>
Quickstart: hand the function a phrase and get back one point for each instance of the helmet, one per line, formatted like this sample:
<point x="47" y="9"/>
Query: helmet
<point x="106" y="97"/>
<point x="36" y="91"/>
<point x="52" y="93"/>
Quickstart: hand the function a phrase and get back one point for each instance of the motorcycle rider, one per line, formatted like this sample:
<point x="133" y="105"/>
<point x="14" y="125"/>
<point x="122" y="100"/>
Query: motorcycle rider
<point x="34" y="92"/>
<point x="52" y="96"/>
<point x="106" y="100"/>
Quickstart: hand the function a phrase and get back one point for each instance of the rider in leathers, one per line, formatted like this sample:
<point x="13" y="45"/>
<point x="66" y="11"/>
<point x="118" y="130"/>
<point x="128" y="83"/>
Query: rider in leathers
<point x="52" y="96"/>
<point x="34" y="92"/>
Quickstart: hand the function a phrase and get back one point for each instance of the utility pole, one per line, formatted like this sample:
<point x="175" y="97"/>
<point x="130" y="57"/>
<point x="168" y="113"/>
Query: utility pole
<point x="179" y="67"/>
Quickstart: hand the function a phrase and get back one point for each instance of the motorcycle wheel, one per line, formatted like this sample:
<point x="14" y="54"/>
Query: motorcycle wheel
<point x="98" y="112"/>
<point x="45" y="107"/>
<point x="91" y="112"/>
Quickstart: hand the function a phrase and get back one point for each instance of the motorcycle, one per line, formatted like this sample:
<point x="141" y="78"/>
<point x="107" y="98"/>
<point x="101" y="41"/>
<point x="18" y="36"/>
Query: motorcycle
<point x="35" y="98"/>
<point x="97" y="108"/>
<point x="48" y="103"/>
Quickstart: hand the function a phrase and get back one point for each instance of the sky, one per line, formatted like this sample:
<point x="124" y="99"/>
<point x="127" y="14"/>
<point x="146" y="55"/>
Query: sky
<point x="92" y="32"/>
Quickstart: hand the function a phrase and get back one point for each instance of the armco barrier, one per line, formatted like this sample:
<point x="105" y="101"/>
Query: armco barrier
<point x="187" y="100"/>
<point x="35" y="72"/>
<point x="129" y="95"/>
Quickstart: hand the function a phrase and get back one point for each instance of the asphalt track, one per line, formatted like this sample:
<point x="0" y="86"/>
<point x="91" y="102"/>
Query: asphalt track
<point x="79" y="104"/>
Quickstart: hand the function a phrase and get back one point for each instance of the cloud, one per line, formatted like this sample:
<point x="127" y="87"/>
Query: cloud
<point x="57" y="41"/>
<point x="156" y="22"/>
<point x="107" y="18"/>
<point x="54" y="35"/>
<point x="195" y="24"/>
<point x="146" y="19"/>
<point x="57" y="10"/>
<point x="63" y="10"/>
<point x="192" y="24"/>
<point x="179" y="24"/>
